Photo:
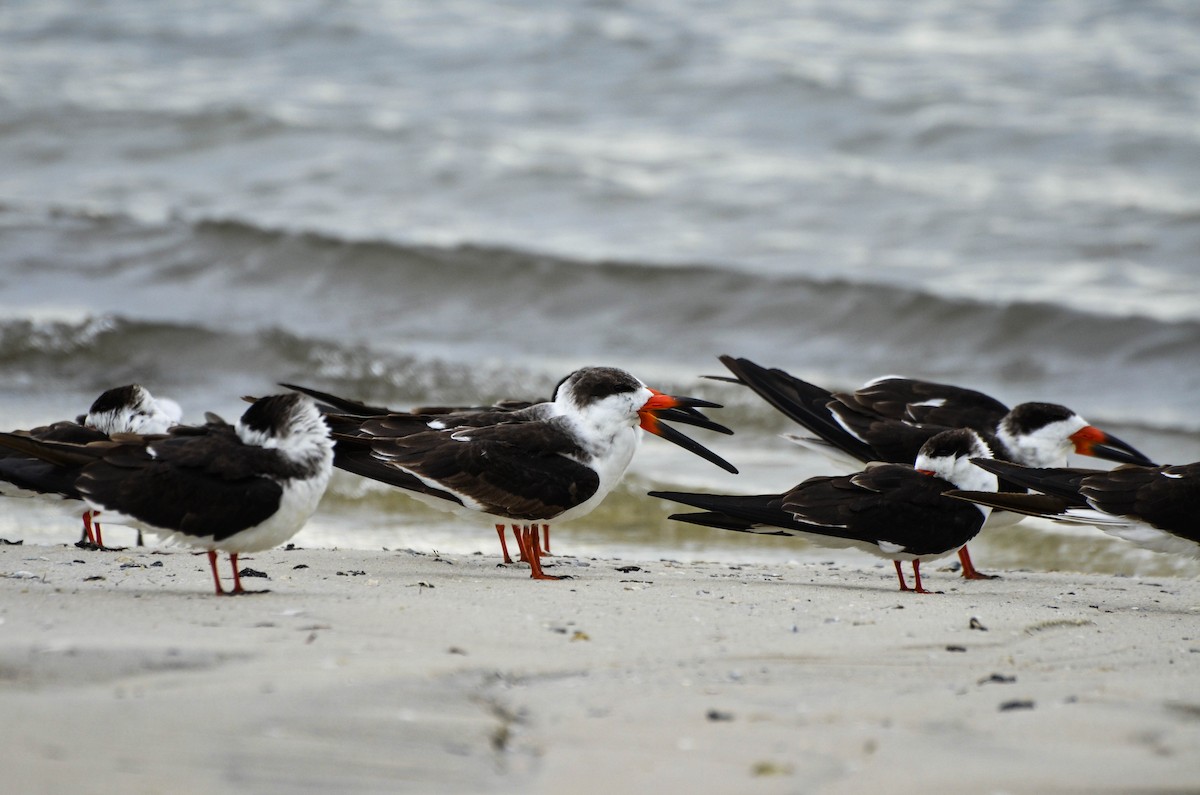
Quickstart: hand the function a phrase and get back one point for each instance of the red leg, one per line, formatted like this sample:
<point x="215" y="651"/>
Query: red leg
<point x="212" y="563"/>
<point x="520" y="536"/>
<point x="900" y="574"/>
<point x="503" y="545"/>
<point x="237" y="578"/>
<point x="969" y="572"/>
<point x="92" y="534"/>
<point x="87" y="529"/>
<point x="523" y="538"/>
<point x="533" y="543"/>
<point x="546" y="538"/>
<point x="525" y="549"/>
<point x="917" y="576"/>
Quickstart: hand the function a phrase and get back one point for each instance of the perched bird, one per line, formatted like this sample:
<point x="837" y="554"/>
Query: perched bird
<point x="1156" y="508"/>
<point x="896" y="511"/>
<point x="889" y="418"/>
<point x="236" y="489"/>
<point x="549" y="461"/>
<point x="124" y="409"/>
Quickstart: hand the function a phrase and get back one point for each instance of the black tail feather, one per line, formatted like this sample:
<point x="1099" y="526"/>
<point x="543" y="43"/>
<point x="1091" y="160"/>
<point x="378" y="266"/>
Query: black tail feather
<point x="1029" y="504"/>
<point x="804" y="403"/>
<point x="730" y="512"/>
<point x="1062" y="482"/>
<point x="57" y="453"/>
<point x="332" y="404"/>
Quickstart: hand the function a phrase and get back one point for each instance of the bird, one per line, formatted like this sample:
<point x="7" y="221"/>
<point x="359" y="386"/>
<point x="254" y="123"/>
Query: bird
<point x="889" y="418"/>
<point x="555" y="460"/>
<point x="124" y="409"/>
<point x="1155" y="508"/>
<point x="895" y="511"/>
<point x="217" y="487"/>
<point x="348" y="416"/>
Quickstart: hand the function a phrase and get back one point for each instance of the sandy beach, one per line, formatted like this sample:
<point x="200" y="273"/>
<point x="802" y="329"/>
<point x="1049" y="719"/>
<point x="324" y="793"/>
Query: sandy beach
<point x="459" y="203"/>
<point x="407" y="671"/>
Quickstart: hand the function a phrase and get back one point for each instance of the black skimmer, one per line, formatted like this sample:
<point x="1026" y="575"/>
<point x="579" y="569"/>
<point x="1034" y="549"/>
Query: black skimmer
<point x="889" y="418"/>
<point x="347" y="415"/>
<point x="1153" y="507"/>
<point x="350" y="417"/>
<point x="124" y="409"/>
<point x="895" y="511"/>
<point x="236" y="489"/>
<point x="548" y="461"/>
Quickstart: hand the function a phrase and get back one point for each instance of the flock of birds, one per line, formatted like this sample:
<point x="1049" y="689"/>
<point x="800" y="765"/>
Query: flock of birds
<point x="935" y="464"/>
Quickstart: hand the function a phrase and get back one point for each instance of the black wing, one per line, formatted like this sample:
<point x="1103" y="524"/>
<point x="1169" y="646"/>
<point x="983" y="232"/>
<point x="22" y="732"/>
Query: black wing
<point x="329" y="403"/>
<point x="880" y="422"/>
<point x="1166" y="497"/>
<point x="332" y="404"/>
<point x="891" y="504"/>
<point x="882" y="439"/>
<point x="747" y="514"/>
<point x="927" y="402"/>
<point x="197" y="484"/>
<point x="28" y="472"/>
<point x="1061" y="482"/>
<point x="521" y="471"/>
<point x="1029" y="504"/>
<point x="804" y="403"/>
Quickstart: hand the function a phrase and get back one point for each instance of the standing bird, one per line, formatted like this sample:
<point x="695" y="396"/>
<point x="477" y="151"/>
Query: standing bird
<point x="895" y="511"/>
<point x="349" y="417"/>
<point x="550" y="461"/>
<point x="889" y="418"/>
<point x="218" y="487"/>
<point x="123" y="409"/>
<point x="1156" y="508"/>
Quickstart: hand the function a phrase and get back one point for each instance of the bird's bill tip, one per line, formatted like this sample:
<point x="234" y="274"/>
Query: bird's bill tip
<point x="651" y="424"/>
<point x="1092" y="441"/>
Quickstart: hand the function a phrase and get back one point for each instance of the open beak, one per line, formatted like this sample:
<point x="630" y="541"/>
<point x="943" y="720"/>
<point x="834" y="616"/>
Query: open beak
<point x="688" y="415"/>
<point x="1092" y="441"/>
<point x="660" y="407"/>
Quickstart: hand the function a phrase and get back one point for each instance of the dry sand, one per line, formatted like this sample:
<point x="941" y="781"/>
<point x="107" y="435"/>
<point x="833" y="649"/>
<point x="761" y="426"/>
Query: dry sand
<point x="408" y="672"/>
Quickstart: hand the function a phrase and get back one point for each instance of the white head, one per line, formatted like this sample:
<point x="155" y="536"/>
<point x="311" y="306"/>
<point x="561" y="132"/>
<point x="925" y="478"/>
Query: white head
<point x="605" y="403"/>
<point x="948" y="456"/>
<point x="289" y="423"/>
<point x="602" y="395"/>
<point x="1041" y="434"/>
<point x="132" y="409"/>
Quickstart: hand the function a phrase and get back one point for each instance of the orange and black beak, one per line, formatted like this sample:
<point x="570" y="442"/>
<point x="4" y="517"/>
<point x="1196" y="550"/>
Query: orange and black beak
<point x="687" y="414"/>
<point x="682" y="409"/>
<point x="1092" y="441"/>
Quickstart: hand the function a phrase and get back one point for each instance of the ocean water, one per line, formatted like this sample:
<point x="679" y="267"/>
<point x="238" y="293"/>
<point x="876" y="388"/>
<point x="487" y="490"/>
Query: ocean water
<point x="463" y="201"/>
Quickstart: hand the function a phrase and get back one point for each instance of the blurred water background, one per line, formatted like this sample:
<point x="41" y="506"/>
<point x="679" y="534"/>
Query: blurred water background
<point x="462" y="201"/>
